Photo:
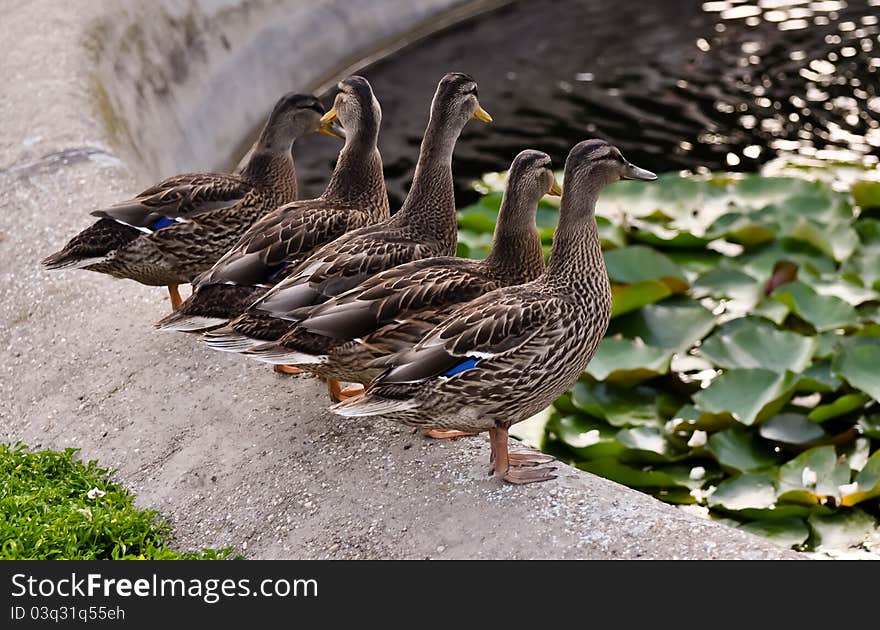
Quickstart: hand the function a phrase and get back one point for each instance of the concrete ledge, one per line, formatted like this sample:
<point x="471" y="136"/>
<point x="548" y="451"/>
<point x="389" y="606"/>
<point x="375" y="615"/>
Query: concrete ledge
<point x="233" y="453"/>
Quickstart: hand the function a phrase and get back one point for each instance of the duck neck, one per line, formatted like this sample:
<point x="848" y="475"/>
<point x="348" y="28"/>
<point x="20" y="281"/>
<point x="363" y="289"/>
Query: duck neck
<point x="273" y="172"/>
<point x="516" y="253"/>
<point x="576" y="261"/>
<point x="358" y="176"/>
<point x="430" y="205"/>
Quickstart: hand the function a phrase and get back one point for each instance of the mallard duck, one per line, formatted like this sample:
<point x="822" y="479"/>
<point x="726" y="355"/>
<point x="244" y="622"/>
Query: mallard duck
<point x="505" y="356"/>
<point x="355" y="197"/>
<point x="424" y="227"/>
<point x="177" y="229"/>
<point x="394" y="309"/>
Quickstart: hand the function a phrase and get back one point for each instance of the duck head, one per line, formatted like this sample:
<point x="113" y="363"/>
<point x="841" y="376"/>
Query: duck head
<point x="456" y="102"/>
<point x="356" y="108"/>
<point x="531" y="177"/>
<point x="293" y="116"/>
<point x="596" y="163"/>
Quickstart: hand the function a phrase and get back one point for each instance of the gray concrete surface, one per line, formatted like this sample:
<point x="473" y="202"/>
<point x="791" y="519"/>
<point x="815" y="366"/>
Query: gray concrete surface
<point x="234" y="454"/>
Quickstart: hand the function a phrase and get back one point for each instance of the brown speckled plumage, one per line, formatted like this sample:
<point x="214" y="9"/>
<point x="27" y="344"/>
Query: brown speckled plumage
<point x="178" y="228"/>
<point x="424" y="227"/>
<point x="355" y="197"/>
<point x="508" y="354"/>
<point x="390" y="312"/>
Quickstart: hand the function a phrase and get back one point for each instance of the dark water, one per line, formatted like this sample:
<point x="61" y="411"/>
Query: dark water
<point x="676" y="84"/>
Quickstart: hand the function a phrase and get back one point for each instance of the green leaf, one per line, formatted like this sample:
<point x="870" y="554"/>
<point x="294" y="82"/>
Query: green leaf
<point x="748" y="394"/>
<point x="728" y="283"/>
<point x="866" y="194"/>
<point x="666" y="236"/>
<point x="818" y="378"/>
<point x="744" y="492"/>
<point x="611" y="235"/>
<point x="473" y="244"/>
<point x="739" y="449"/>
<point x="788" y="532"/>
<point x="586" y="437"/>
<point x="870" y="426"/>
<point x="772" y="310"/>
<point x="842" y="529"/>
<point x="689" y="418"/>
<point x="638" y="263"/>
<point x="694" y="263"/>
<point x="739" y="228"/>
<point x="859" y="365"/>
<point x="647" y="439"/>
<point x="621" y="360"/>
<point x="867" y="483"/>
<point x="837" y="241"/>
<point x="627" y="475"/>
<point x="812" y="476"/>
<point x="824" y="312"/>
<point x="791" y="428"/>
<point x="630" y="297"/>
<point x="841" y="406"/>
<point x="674" y="324"/>
<point x="618" y="405"/>
<point x="758" y="191"/>
<point x="753" y="343"/>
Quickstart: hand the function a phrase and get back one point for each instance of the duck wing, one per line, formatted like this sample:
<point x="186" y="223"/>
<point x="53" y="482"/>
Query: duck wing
<point x="177" y="199"/>
<point x="497" y="323"/>
<point x="277" y="242"/>
<point x="412" y="290"/>
<point x="339" y="267"/>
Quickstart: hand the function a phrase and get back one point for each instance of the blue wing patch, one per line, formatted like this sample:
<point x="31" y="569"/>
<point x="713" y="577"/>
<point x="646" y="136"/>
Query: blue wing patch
<point x="161" y="222"/>
<point x="464" y="366"/>
<point x="278" y="271"/>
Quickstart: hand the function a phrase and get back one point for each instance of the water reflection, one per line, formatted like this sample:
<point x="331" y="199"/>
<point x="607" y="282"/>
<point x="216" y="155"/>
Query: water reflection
<point x="726" y="85"/>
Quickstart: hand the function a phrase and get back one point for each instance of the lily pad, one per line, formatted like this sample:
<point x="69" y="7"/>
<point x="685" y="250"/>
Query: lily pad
<point x="620" y="406"/>
<point x="748" y="394"/>
<point x="753" y="343"/>
<point x="788" y="532"/>
<point x="648" y="440"/>
<point x="674" y="324"/>
<point x="728" y="283"/>
<point x="626" y="298"/>
<point x="839" y="241"/>
<point x="870" y="426"/>
<point x="759" y="191"/>
<point x="611" y="235"/>
<point x="621" y="360"/>
<point x="791" y="428"/>
<point x="818" y="378"/>
<point x="586" y="437"/>
<point x="772" y="310"/>
<point x="627" y="475"/>
<point x="824" y="312"/>
<point x="812" y="476"/>
<point x="866" y="484"/>
<point x="866" y="194"/>
<point x="638" y="263"/>
<point x="842" y="529"/>
<point x="741" y="450"/>
<point x="748" y="491"/>
<point x="689" y="418"/>
<point x="839" y="407"/>
<point x="739" y="228"/>
<point x="859" y="364"/>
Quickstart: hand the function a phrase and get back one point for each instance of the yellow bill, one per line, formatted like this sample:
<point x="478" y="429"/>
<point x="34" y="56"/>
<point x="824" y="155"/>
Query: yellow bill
<point x="330" y="116"/>
<point x="482" y="114"/>
<point x="555" y="189"/>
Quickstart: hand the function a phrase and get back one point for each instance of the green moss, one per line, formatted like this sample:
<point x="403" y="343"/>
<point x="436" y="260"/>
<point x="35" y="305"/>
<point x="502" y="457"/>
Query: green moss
<point x="53" y="506"/>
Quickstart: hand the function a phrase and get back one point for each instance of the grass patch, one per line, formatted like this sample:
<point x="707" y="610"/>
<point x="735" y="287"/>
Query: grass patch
<point x="54" y="507"/>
